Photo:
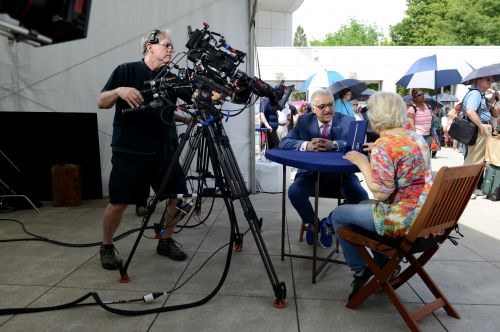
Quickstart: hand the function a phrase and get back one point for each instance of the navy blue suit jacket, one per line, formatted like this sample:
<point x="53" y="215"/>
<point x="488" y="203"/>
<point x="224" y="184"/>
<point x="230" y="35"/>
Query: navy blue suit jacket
<point x="307" y="128"/>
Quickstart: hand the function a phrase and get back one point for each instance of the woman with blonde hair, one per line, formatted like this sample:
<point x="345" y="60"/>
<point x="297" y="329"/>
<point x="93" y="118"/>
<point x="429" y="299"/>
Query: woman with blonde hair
<point x="398" y="174"/>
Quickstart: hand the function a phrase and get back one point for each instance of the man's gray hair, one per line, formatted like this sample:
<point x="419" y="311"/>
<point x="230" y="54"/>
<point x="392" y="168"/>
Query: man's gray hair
<point x="320" y="91"/>
<point x="160" y="35"/>
<point x="386" y="110"/>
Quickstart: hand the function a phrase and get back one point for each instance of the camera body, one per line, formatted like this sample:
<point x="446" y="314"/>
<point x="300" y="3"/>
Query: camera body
<point x="215" y="66"/>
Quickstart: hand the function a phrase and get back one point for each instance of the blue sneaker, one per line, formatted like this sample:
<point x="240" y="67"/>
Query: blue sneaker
<point x="325" y="238"/>
<point x="310" y="234"/>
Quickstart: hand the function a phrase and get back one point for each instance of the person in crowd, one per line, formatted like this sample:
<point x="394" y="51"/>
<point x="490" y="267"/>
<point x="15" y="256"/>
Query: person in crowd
<point x="420" y="116"/>
<point x="357" y="110"/>
<point x="269" y="120"/>
<point x="303" y="109"/>
<point x="452" y="115"/>
<point x="291" y="117"/>
<point x="436" y="131"/>
<point x="399" y="176"/>
<point x="475" y="108"/>
<point x="283" y="122"/>
<point x="343" y="103"/>
<point x="371" y="135"/>
<point x="445" y="125"/>
<point x="141" y="144"/>
<point x="495" y="111"/>
<point x="321" y="130"/>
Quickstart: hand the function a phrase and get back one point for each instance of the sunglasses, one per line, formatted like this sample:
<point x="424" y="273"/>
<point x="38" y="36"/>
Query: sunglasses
<point x="323" y="107"/>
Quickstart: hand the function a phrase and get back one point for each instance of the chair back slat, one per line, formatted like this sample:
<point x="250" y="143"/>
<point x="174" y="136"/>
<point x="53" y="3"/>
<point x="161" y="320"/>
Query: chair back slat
<point x="447" y="199"/>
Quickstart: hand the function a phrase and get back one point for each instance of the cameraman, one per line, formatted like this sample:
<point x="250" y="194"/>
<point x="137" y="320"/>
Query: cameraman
<point x="141" y="145"/>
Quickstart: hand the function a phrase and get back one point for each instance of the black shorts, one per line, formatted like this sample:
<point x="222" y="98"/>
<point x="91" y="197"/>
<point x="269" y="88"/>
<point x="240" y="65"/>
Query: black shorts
<point x="132" y="175"/>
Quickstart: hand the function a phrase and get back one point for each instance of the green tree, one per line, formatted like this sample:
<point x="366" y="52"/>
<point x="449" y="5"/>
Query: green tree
<point x="353" y="34"/>
<point x="300" y="38"/>
<point x="448" y="22"/>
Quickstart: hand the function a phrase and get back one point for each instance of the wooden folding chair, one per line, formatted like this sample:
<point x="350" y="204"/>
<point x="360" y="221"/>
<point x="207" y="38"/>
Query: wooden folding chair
<point x="440" y="213"/>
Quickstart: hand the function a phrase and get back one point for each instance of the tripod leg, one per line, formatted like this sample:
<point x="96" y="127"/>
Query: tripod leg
<point x="154" y="202"/>
<point x="231" y="182"/>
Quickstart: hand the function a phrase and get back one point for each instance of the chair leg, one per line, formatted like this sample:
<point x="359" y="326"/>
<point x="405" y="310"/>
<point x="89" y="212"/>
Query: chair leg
<point x="303" y="229"/>
<point x="441" y="300"/>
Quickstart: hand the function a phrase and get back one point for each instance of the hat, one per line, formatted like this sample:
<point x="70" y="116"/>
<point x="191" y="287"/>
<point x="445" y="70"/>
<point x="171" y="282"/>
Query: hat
<point x="416" y="92"/>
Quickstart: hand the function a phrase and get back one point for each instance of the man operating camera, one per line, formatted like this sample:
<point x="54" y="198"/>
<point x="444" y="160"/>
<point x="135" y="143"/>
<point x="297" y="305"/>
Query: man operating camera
<point x="142" y="145"/>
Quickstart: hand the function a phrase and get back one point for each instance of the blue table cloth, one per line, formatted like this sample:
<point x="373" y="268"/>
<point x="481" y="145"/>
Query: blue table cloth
<point x="326" y="162"/>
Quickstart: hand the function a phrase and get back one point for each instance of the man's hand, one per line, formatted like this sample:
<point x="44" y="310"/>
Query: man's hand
<point x="131" y="95"/>
<point x="319" y="145"/>
<point x="483" y="131"/>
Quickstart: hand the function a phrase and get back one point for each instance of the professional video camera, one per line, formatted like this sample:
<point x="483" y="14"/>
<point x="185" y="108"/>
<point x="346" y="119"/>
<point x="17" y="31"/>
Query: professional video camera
<point x="215" y="65"/>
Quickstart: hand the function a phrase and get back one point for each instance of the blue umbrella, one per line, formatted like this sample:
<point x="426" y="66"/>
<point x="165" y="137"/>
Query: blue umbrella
<point x="321" y="79"/>
<point x="432" y="72"/>
<point x="491" y="70"/>
<point x="357" y="87"/>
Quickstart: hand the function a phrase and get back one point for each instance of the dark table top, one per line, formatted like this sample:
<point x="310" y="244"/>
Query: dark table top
<point x="326" y="162"/>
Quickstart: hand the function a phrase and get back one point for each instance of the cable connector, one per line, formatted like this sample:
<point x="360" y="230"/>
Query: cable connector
<point x="148" y="298"/>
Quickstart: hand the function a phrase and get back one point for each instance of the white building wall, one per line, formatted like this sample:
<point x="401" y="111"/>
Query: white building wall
<point x="273" y="28"/>
<point x="367" y="63"/>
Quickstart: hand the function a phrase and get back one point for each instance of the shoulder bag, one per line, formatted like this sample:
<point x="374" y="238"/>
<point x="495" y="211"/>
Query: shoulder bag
<point x="463" y="130"/>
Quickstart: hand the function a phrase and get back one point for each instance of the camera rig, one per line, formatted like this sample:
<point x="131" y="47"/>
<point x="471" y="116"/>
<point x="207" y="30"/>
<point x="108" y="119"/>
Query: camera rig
<point x="214" y="65"/>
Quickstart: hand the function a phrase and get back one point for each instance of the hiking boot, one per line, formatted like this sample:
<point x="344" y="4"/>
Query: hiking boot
<point x="360" y="279"/>
<point x="169" y="248"/>
<point x="109" y="260"/>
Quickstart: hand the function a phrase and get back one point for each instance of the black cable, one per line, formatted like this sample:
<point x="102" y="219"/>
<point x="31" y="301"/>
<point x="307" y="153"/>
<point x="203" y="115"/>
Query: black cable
<point x="64" y="244"/>
<point x="147" y="298"/>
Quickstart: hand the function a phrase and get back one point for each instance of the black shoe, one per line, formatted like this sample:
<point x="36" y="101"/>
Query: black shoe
<point x="140" y="211"/>
<point x="169" y="248"/>
<point x="360" y="279"/>
<point x="109" y="260"/>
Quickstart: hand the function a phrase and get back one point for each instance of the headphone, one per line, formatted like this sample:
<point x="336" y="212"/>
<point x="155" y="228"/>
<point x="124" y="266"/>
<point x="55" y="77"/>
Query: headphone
<point x="153" y="38"/>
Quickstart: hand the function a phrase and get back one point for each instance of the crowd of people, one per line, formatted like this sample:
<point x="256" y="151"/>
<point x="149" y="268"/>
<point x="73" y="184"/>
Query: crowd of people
<point x="397" y="172"/>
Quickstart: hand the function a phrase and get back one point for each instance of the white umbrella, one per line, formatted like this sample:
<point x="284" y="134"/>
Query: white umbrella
<point x="433" y="72"/>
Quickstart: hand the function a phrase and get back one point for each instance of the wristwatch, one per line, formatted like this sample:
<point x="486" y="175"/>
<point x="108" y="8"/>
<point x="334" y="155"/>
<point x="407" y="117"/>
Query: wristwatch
<point x="335" y="146"/>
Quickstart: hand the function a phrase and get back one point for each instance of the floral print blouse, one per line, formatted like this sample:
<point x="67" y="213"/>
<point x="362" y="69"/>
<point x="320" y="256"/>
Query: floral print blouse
<point x="401" y="167"/>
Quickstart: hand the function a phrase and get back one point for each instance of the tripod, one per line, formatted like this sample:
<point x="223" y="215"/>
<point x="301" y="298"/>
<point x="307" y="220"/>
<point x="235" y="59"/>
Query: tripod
<point x="6" y="188"/>
<point x="210" y="141"/>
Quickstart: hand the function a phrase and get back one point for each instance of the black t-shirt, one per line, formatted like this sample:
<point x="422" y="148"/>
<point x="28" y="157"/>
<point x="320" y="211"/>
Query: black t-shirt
<point x="140" y="131"/>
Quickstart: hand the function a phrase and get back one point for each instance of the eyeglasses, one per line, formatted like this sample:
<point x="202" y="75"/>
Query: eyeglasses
<point x="323" y="107"/>
<point x="420" y="95"/>
<point x="354" y="104"/>
<point x="168" y="46"/>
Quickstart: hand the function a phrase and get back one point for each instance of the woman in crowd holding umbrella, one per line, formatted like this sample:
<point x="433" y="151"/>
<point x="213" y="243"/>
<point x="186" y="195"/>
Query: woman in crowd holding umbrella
<point x="343" y="102"/>
<point x="420" y="116"/>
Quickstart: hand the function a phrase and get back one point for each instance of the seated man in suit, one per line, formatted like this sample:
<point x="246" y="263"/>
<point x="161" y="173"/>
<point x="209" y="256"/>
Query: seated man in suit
<point x="320" y="130"/>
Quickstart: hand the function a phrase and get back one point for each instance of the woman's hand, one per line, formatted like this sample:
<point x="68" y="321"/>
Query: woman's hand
<point x="357" y="159"/>
<point x="367" y="147"/>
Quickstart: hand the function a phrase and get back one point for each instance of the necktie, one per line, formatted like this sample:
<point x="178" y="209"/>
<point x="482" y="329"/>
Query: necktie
<point x="325" y="131"/>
